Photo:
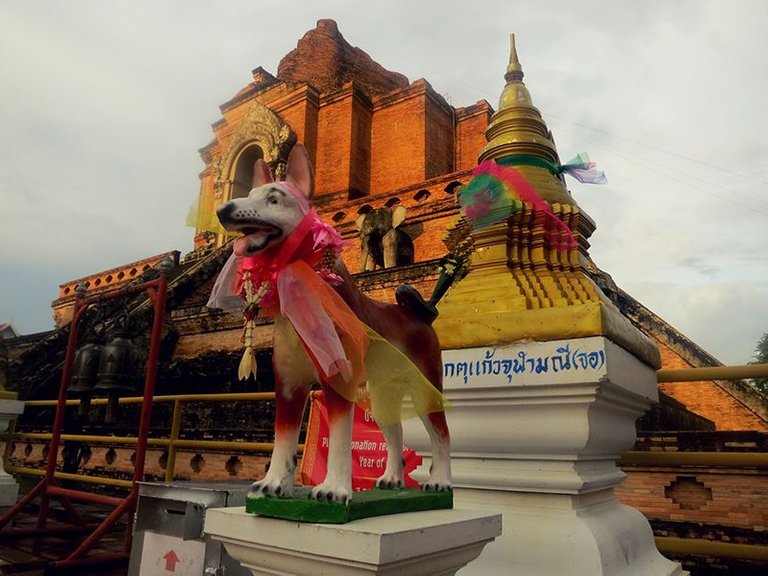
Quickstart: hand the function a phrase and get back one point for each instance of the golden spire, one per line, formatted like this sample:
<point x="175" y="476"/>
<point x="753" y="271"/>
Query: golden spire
<point x="517" y="129"/>
<point x="515" y="93"/>
<point x="514" y="69"/>
<point x="520" y="287"/>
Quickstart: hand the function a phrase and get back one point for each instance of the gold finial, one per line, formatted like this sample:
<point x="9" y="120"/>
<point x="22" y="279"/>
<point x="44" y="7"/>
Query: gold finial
<point x="514" y="69"/>
<point x="515" y="93"/>
<point x="517" y="128"/>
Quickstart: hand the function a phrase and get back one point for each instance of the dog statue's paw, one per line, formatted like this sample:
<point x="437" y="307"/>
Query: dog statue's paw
<point x="390" y="480"/>
<point x="267" y="487"/>
<point x="436" y="486"/>
<point x="330" y="493"/>
<point x="389" y="484"/>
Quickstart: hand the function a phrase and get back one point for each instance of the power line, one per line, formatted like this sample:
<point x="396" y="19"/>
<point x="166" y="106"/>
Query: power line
<point x="660" y="169"/>
<point x="657" y="149"/>
<point x="656" y="167"/>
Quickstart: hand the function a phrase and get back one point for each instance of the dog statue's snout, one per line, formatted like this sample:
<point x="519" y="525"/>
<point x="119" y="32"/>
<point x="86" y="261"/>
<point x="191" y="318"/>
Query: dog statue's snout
<point x="224" y="212"/>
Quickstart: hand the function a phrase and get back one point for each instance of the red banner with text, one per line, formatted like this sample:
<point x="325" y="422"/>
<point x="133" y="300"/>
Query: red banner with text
<point x="369" y="449"/>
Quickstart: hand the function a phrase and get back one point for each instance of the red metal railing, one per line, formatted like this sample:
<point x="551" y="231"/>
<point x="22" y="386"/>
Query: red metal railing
<point x="48" y="487"/>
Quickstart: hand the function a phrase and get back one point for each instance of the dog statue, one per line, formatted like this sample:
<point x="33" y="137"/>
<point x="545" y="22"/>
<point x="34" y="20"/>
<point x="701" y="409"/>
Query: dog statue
<point x="327" y="331"/>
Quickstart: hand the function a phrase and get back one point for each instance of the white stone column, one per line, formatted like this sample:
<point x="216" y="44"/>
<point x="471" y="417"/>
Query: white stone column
<point x="437" y="542"/>
<point x="536" y="430"/>
<point x="9" y="488"/>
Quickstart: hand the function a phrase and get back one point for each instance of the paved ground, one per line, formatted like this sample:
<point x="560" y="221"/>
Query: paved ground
<point x="31" y="556"/>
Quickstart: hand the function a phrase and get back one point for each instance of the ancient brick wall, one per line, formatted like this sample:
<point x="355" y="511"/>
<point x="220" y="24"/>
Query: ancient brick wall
<point x="707" y="398"/>
<point x="308" y="133"/>
<point x="360" y="147"/>
<point x="300" y="111"/>
<point x="439" y="136"/>
<point x="334" y="139"/>
<point x="727" y="496"/>
<point x="117" y="462"/>
<point x="398" y="147"/>
<point x="471" y="123"/>
<point x="709" y="491"/>
<point x="708" y="501"/>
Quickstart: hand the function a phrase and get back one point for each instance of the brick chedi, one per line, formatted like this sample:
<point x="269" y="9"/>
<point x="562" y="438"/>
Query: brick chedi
<point x="377" y="143"/>
<point x="375" y="140"/>
<point x="324" y="59"/>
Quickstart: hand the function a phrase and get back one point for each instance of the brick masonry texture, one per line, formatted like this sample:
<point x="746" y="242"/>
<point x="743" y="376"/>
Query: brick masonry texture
<point x="324" y="59"/>
<point x="738" y="498"/>
<point x="707" y="398"/>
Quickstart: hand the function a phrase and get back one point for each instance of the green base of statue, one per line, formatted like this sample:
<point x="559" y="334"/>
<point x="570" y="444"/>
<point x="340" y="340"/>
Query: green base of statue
<point x="363" y="504"/>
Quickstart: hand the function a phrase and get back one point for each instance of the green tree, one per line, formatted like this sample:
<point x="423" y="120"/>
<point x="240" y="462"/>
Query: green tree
<point x="761" y="357"/>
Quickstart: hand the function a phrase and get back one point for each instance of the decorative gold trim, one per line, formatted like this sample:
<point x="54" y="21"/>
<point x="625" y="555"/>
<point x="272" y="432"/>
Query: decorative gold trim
<point x="260" y="126"/>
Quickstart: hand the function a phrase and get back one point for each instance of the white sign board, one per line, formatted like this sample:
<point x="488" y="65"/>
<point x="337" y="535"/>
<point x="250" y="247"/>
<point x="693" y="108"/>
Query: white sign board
<point x="164" y="555"/>
<point x="526" y="363"/>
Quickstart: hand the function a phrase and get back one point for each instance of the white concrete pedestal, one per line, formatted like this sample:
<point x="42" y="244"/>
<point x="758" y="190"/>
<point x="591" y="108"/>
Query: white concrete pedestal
<point x="437" y="542"/>
<point x="536" y="430"/>
<point x="557" y="535"/>
<point x="9" y="488"/>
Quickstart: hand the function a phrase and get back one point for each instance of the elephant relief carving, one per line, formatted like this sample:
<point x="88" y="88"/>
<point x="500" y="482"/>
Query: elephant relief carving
<point x="382" y="243"/>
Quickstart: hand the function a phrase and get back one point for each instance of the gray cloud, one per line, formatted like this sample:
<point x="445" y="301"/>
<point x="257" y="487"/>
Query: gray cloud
<point x="701" y="266"/>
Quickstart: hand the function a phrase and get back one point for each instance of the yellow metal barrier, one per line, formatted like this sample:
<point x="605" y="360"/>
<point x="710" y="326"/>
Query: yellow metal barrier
<point x="168" y="398"/>
<point x="697" y="547"/>
<point x="713" y="373"/>
<point x="701" y="459"/>
<point x="66" y="476"/>
<point x="166" y="442"/>
<point x="173" y="443"/>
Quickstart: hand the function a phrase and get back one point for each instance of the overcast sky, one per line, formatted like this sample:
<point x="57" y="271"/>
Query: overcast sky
<point x="105" y="104"/>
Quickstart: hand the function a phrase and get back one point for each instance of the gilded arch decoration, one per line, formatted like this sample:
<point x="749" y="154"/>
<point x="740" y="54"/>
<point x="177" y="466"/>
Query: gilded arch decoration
<point x="262" y="127"/>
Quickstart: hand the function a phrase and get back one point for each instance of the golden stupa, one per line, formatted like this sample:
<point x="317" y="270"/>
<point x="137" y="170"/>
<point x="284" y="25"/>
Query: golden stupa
<point x="518" y="287"/>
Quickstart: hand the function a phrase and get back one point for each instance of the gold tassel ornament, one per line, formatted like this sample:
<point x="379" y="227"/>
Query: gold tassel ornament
<point x="248" y="363"/>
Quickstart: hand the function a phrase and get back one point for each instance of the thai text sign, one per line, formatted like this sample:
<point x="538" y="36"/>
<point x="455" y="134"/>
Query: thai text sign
<point x="526" y="363"/>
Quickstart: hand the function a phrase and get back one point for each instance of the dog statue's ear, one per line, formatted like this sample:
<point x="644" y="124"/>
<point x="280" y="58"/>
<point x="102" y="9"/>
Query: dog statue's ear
<point x="261" y="173"/>
<point x="299" y="171"/>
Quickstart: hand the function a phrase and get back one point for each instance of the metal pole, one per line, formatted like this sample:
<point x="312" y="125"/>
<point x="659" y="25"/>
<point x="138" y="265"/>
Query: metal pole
<point x="58" y="423"/>
<point x="46" y="488"/>
<point x="170" y="465"/>
<point x="713" y="373"/>
<point x="103" y="528"/>
<point x="157" y="294"/>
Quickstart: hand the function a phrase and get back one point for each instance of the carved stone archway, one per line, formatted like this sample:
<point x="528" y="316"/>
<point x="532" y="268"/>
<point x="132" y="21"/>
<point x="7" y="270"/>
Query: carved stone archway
<point x="262" y="128"/>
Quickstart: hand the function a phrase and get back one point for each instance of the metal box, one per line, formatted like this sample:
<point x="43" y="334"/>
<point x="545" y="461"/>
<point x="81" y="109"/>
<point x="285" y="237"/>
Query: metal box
<point x="168" y="531"/>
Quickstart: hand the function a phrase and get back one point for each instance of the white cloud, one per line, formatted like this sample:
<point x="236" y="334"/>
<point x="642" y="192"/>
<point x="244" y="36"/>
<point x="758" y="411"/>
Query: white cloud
<point x="725" y="318"/>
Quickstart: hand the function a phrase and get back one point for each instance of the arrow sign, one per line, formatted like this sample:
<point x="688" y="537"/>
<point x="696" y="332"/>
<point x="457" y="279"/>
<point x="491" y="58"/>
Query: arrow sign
<point x="170" y="561"/>
<point x="163" y="555"/>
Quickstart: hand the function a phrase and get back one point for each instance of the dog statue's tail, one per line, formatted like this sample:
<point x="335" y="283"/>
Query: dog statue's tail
<point x="411" y="299"/>
<point x="453" y="267"/>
